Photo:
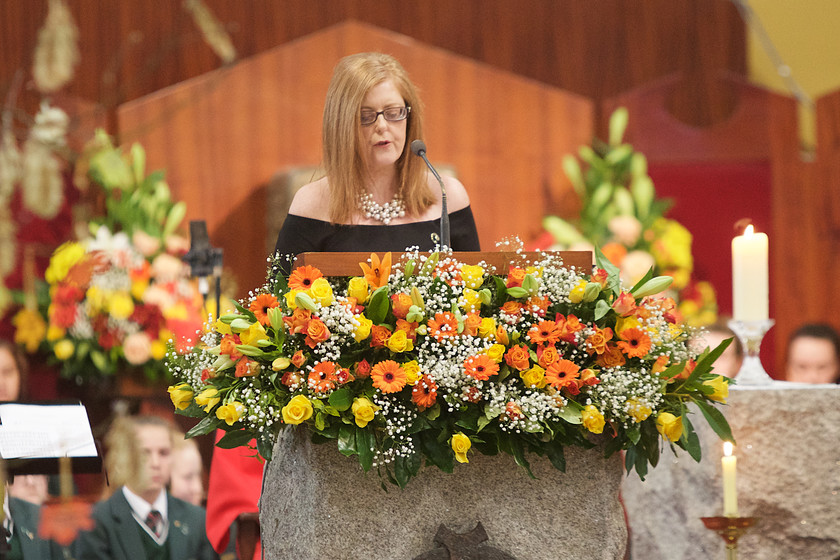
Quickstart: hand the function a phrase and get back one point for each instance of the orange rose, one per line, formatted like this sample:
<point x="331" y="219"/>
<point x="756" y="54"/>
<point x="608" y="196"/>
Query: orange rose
<point x="600" y="275"/>
<point x="316" y="331"/>
<point x="597" y="343"/>
<point x="298" y="320"/>
<point x="298" y="359"/>
<point x="538" y="305"/>
<point x="612" y="357"/>
<point x="247" y="368"/>
<point x="624" y="305"/>
<point x="513" y="411"/>
<point x="512" y="307"/>
<point x="291" y="378"/>
<point x="515" y="277"/>
<point x="471" y="323"/>
<point x="363" y="369"/>
<point x="518" y="357"/>
<point x="409" y="328"/>
<point x="547" y="356"/>
<point x="400" y="303"/>
<point x="502" y="336"/>
<point x="379" y="336"/>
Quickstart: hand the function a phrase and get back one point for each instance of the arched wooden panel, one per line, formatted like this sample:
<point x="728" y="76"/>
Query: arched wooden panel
<point x="222" y="136"/>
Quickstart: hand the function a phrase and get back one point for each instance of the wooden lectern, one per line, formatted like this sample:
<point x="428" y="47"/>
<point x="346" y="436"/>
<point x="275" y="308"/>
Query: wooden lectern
<point x="347" y="264"/>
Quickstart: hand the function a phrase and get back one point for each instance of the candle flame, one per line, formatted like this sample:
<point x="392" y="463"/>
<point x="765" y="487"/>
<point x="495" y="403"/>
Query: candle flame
<point x="727" y="448"/>
<point x="749" y="230"/>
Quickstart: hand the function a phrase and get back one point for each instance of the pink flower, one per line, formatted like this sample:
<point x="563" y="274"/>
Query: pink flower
<point x="166" y="268"/>
<point x="145" y="243"/>
<point x="625" y="304"/>
<point x="137" y="348"/>
<point x="177" y="245"/>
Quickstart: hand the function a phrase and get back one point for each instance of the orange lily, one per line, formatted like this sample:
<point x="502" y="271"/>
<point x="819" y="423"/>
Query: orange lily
<point x="377" y="273"/>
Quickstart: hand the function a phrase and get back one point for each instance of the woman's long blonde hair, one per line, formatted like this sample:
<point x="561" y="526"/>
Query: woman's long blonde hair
<point x="352" y="78"/>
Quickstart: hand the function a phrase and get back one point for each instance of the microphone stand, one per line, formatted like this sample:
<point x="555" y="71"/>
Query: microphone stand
<point x="204" y="261"/>
<point x="419" y="148"/>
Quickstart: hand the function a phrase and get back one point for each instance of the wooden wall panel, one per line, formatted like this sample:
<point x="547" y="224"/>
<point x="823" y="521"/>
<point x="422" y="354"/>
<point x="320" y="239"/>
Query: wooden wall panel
<point x="224" y="135"/>
<point x="132" y="48"/>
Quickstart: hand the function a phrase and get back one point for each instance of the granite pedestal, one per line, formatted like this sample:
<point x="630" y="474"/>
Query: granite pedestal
<point x="318" y="504"/>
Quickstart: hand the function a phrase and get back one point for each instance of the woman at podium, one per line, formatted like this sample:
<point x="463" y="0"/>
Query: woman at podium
<point x="376" y="196"/>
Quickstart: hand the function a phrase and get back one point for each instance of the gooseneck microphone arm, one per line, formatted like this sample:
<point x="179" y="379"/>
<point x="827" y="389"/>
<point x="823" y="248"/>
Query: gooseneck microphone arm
<point x="418" y="147"/>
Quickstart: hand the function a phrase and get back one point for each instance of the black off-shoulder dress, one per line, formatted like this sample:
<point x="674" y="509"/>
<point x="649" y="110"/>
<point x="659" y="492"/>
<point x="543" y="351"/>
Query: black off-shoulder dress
<point x="301" y="235"/>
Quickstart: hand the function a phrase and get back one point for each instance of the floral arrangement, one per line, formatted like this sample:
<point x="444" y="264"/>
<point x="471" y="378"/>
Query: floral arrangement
<point x="116" y="297"/>
<point x="432" y="358"/>
<point x="621" y="214"/>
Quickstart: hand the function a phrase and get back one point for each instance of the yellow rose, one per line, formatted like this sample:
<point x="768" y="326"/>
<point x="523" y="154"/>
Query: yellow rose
<point x="471" y="300"/>
<point x="460" y="445"/>
<point x="412" y="372"/>
<point x="64" y="349"/>
<point x="208" y="398"/>
<point x="290" y="299"/>
<point x="255" y="333"/>
<point x="181" y="395"/>
<point x="399" y="342"/>
<point x="669" y="426"/>
<point x="298" y="410"/>
<point x="363" y="411"/>
<point x="55" y="332"/>
<point x="30" y="328"/>
<point x="120" y="305"/>
<point x="472" y="275"/>
<point x="358" y="289"/>
<point x="638" y="410"/>
<point x="96" y="298"/>
<point x="624" y="323"/>
<point x="720" y="388"/>
<point x="576" y="295"/>
<point x="534" y="377"/>
<point x="230" y="412"/>
<point x="363" y="330"/>
<point x="139" y="287"/>
<point x="158" y="349"/>
<point x="592" y="419"/>
<point x="221" y="327"/>
<point x="321" y="291"/>
<point x="496" y="353"/>
<point x="487" y="327"/>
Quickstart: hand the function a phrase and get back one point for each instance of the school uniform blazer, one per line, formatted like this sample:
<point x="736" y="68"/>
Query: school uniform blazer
<point x="117" y="534"/>
<point x="25" y="516"/>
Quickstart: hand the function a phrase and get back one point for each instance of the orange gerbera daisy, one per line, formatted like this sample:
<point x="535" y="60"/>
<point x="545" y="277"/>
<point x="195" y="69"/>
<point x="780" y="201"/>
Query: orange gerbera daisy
<point x="377" y="272"/>
<point x="636" y="343"/>
<point x="424" y="393"/>
<point x="562" y="373"/>
<point x="260" y="306"/>
<point x="322" y="378"/>
<point x="480" y="367"/>
<point x="444" y="325"/>
<point x="545" y="332"/>
<point x="303" y="277"/>
<point x="388" y="376"/>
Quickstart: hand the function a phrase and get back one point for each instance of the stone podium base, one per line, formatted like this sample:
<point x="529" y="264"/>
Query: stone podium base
<point x="319" y="505"/>
<point x="788" y="476"/>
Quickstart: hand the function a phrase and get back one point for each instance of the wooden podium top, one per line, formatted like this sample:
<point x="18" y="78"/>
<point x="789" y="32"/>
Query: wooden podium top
<point x="347" y="264"/>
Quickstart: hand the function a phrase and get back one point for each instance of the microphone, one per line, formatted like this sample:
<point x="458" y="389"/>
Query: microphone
<point x="418" y="147"/>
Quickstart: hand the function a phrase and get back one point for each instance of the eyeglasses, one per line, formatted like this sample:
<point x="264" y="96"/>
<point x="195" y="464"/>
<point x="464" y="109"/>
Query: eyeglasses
<point x="391" y="114"/>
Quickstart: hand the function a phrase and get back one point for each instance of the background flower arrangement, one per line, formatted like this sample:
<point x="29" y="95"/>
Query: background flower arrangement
<point x="432" y="359"/>
<point x="117" y="296"/>
<point x="621" y="214"/>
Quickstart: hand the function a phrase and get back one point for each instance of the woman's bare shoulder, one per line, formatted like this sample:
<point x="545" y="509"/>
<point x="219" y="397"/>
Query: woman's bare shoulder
<point x="312" y="200"/>
<point x="456" y="195"/>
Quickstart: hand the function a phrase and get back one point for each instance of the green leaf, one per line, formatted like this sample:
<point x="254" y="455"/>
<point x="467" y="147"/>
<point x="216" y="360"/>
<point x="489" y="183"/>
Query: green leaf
<point x="341" y="399"/>
<point x="204" y="427"/>
<point x="378" y="305"/>
<point x="320" y="421"/>
<point x="481" y="423"/>
<point x="613" y="281"/>
<point x="439" y="453"/>
<point x="690" y="440"/>
<point x="517" y="292"/>
<point x="236" y="438"/>
<point x="554" y="451"/>
<point x="601" y="309"/>
<point x="347" y="440"/>
<point x="364" y="446"/>
<point x="716" y="420"/>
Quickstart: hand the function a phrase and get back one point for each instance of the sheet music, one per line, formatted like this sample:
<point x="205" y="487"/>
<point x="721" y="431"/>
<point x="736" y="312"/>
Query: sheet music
<point x="35" y="431"/>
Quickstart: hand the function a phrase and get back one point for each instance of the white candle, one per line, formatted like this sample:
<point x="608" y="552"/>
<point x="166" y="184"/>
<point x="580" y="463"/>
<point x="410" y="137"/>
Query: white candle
<point x="750" y="285"/>
<point x="730" y="492"/>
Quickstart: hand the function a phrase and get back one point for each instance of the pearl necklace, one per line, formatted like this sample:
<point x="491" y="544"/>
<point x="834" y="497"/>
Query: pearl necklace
<point x="382" y="213"/>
